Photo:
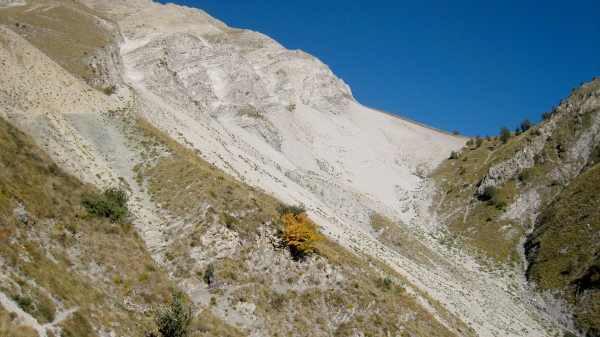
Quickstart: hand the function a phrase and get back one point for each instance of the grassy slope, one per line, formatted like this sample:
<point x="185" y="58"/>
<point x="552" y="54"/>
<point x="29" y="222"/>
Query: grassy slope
<point x="301" y="296"/>
<point x="67" y="31"/>
<point x="564" y="248"/>
<point x="562" y="252"/>
<point x="480" y="224"/>
<point x="9" y="328"/>
<point x="63" y="259"/>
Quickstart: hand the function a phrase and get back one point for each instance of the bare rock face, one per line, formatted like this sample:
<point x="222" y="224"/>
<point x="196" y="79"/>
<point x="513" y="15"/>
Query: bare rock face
<point x="21" y="214"/>
<point x="212" y="69"/>
<point x="203" y="65"/>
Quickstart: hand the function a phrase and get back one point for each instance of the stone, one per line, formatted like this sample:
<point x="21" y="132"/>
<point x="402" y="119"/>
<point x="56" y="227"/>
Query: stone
<point x="21" y="214"/>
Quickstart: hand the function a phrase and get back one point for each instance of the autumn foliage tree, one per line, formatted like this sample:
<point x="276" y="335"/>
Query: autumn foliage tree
<point x="300" y="234"/>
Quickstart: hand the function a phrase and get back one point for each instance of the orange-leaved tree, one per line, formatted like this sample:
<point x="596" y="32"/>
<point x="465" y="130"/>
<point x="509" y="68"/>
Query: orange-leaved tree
<point x="300" y="234"/>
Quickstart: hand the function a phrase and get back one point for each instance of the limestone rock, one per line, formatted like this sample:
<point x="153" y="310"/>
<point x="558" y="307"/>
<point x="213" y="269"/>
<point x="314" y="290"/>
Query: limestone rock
<point x="21" y="214"/>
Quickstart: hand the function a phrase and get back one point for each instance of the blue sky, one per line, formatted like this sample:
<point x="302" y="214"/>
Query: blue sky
<point x="455" y="65"/>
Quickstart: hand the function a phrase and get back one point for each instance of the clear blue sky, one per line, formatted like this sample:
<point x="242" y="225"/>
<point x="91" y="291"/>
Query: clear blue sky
<point x="455" y="65"/>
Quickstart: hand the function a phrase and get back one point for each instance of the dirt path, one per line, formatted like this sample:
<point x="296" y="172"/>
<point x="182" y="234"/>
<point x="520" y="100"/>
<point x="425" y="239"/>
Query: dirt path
<point x="28" y="320"/>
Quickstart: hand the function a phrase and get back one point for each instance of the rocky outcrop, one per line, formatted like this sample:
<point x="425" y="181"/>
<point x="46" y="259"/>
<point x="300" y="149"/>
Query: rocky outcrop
<point x="217" y="70"/>
<point x="21" y="214"/>
<point x="572" y="154"/>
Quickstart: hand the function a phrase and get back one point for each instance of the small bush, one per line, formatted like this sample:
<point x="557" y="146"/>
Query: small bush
<point x="489" y="193"/>
<point x="175" y="320"/>
<point x="109" y="90"/>
<point x="525" y="175"/>
<point x="230" y="221"/>
<point x="500" y="205"/>
<point x="111" y="203"/>
<point x="545" y="115"/>
<point x="384" y="283"/>
<point x="284" y="209"/>
<point x="209" y="272"/>
<point x="525" y="125"/>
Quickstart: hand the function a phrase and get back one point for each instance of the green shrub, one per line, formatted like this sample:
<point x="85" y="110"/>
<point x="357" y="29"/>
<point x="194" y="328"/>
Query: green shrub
<point x="175" y="320"/>
<point x="525" y="175"/>
<point x="284" y="209"/>
<point x="525" y="125"/>
<point x="230" y="221"/>
<point x="111" y="203"/>
<point x="490" y="193"/>
<point x="209" y="272"/>
<point x="384" y="283"/>
<point x="109" y="90"/>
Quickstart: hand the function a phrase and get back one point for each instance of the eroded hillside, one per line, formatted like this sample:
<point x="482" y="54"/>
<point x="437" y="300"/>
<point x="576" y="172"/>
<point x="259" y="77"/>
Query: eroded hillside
<point x="189" y="214"/>
<point x="207" y="125"/>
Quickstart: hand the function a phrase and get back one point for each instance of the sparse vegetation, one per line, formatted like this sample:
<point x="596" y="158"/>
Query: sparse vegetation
<point x="562" y="252"/>
<point x="556" y="262"/>
<point x="45" y="27"/>
<point x="52" y="199"/>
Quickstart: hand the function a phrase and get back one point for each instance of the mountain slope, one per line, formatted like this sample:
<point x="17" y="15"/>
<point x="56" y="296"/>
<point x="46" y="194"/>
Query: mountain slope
<point x="280" y="121"/>
<point x="491" y="198"/>
<point x="107" y="143"/>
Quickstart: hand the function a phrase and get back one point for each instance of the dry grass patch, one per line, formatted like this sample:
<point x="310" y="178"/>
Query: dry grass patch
<point x="10" y="329"/>
<point x="183" y="183"/>
<point x="58" y="258"/>
<point x="398" y="238"/>
<point x="67" y="31"/>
